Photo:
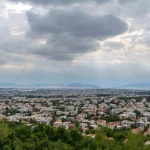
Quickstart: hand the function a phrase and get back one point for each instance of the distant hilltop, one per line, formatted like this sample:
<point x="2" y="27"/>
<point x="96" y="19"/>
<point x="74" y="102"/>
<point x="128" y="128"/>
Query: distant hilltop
<point x="137" y="86"/>
<point x="72" y="85"/>
<point x="41" y="85"/>
<point x="144" y="86"/>
<point x="8" y="84"/>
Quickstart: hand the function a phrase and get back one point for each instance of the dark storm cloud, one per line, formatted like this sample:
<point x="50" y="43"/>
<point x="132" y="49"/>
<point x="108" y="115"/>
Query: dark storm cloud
<point x="77" y="23"/>
<point x="59" y="2"/>
<point x="65" y="47"/>
<point x="52" y="53"/>
<point x="71" y="44"/>
<point x="71" y="33"/>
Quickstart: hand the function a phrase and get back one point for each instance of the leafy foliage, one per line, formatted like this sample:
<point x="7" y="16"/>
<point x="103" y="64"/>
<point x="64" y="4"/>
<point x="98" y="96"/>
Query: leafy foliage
<point x="17" y="136"/>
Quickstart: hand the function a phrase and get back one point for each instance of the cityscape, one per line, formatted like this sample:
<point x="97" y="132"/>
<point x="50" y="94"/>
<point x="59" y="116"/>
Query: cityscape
<point x="86" y="109"/>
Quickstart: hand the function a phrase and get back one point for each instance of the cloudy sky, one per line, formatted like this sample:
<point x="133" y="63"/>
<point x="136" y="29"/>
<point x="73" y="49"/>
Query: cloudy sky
<point x="102" y="42"/>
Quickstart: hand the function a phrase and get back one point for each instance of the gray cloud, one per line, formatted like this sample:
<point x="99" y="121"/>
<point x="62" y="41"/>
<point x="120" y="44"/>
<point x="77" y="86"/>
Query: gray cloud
<point x="59" y="2"/>
<point x="77" y="23"/>
<point x="65" y="47"/>
<point x="71" y="33"/>
<point x="2" y="61"/>
<point x="134" y="8"/>
<point x="145" y="41"/>
<point x="53" y="54"/>
<point x="128" y="1"/>
<point x="114" y="45"/>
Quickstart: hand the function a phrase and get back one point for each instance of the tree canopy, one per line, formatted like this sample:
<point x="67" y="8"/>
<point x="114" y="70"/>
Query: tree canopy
<point x="17" y="136"/>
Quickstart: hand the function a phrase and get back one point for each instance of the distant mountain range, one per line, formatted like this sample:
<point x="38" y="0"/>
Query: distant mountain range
<point x="8" y="84"/>
<point x="73" y="85"/>
<point x="137" y="86"/>
<point x="83" y="85"/>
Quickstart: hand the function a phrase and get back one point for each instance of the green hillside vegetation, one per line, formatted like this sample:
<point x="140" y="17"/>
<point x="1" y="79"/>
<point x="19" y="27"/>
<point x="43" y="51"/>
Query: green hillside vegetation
<point x="17" y="136"/>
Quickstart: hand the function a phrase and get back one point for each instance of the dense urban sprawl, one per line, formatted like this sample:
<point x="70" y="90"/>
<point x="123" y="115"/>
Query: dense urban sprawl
<point x="86" y="110"/>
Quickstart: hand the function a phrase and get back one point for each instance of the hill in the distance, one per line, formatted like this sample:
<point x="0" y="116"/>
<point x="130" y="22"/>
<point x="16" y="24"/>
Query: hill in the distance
<point x="137" y="86"/>
<point x="73" y="85"/>
<point x="8" y="84"/>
